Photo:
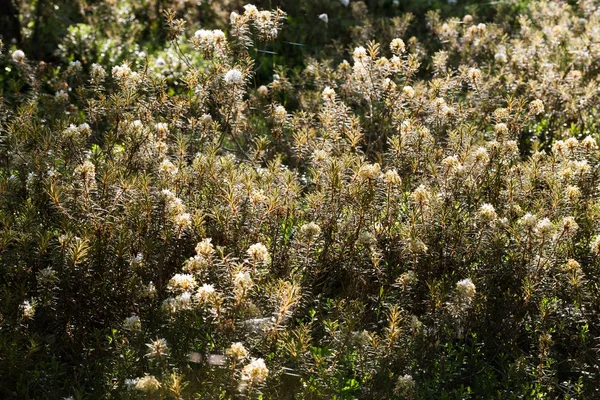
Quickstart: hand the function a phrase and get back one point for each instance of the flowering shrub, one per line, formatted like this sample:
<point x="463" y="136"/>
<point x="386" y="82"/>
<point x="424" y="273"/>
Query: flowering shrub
<point x="418" y="220"/>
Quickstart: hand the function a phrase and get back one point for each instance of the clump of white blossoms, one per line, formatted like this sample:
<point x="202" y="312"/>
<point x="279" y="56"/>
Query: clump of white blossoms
<point x="176" y="211"/>
<point x="408" y="91"/>
<point x="466" y="289"/>
<point x="148" y="384"/>
<point x="528" y="221"/>
<point x="237" y="351"/>
<point x="61" y="96"/>
<point x="267" y="23"/>
<point x="125" y="76"/>
<point x="359" y="54"/>
<point x="544" y="228"/>
<point x="328" y="94"/>
<point x="158" y="349"/>
<point x="18" y="56"/>
<point x="205" y="248"/>
<point x="210" y="41"/>
<point x="166" y="167"/>
<point x="369" y="171"/>
<point x="185" y="282"/>
<point x="421" y="196"/>
<point x="28" y="309"/>
<point x="501" y="57"/>
<point x="405" y="386"/>
<point x="97" y="74"/>
<point x="258" y="253"/>
<point x="209" y="37"/>
<point x="536" y="107"/>
<point x="310" y="230"/>
<point x="234" y="76"/>
<point x="487" y="213"/>
<point x="205" y="293"/>
<point x="183" y="301"/>
<point x="255" y="373"/>
<point x="87" y="173"/>
<point x="280" y="114"/>
<point x="132" y="323"/>
<point x="397" y="46"/>
<point x="242" y="281"/>
<point x="74" y="66"/>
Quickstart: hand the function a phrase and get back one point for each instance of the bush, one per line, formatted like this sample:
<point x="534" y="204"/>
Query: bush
<point x="191" y="221"/>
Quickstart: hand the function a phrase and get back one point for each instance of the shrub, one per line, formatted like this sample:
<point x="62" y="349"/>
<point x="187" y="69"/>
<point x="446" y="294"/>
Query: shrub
<point x="417" y="221"/>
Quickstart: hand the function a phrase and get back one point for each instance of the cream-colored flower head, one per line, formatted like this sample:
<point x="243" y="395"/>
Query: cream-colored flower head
<point x="466" y="289"/>
<point x="256" y="372"/>
<point x="237" y="351"/>
<point x="234" y="76"/>
<point x="258" y="252"/>
<point x="148" y="384"/>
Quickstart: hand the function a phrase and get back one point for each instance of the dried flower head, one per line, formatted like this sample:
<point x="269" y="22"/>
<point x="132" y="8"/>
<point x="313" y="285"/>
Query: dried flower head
<point x="536" y="107"/>
<point x="369" y="171"/>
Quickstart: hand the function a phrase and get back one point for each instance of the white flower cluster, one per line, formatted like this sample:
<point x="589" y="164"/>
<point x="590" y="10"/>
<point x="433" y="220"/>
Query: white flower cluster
<point x="256" y="372"/>
<point x="203" y="257"/>
<point x="125" y="76"/>
<point x="176" y="211"/>
<point x="132" y="323"/>
<point x="267" y="23"/>
<point x="237" y="351"/>
<point x="18" y="56"/>
<point x="148" y="384"/>
<point x="258" y="253"/>
<point x="234" y="77"/>
<point x="157" y="349"/>
<point x="466" y="290"/>
<point x="210" y="41"/>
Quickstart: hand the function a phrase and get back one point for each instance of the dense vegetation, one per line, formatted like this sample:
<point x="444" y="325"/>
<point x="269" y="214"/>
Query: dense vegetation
<point x="341" y="199"/>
